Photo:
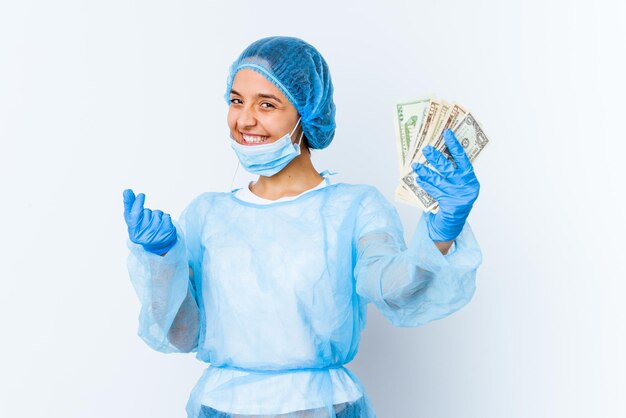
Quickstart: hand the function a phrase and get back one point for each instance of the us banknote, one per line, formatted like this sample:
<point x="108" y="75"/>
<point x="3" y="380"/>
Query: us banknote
<point x="427" y="129"/>
<point x="409" y="117"/>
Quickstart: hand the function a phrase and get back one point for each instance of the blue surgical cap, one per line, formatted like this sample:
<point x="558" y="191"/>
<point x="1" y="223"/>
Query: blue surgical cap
<point x="301" y="73"/>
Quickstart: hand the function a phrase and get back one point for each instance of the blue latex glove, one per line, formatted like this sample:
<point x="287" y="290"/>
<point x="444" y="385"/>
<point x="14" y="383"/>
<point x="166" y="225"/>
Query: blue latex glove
<point x="455" y="189"/>
<point x="151" y="229"/>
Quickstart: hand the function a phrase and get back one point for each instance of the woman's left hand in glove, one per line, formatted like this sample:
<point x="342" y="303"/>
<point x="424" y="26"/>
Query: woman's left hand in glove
<point x="455" y="188"/>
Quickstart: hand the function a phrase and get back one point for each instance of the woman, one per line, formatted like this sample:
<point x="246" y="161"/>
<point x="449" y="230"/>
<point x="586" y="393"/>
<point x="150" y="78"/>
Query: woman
<point x="270" y="283"/>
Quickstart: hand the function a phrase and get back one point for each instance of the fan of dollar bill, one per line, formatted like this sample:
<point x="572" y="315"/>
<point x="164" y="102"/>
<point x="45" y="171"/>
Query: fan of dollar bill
<point x="422" y="122"/>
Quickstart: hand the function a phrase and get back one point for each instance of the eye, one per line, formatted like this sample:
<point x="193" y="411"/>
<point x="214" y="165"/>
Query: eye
<point x="269" y="104"/>
<point x="233" y="101"/>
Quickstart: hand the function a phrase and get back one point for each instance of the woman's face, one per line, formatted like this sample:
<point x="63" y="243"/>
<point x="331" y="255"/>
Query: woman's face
<point x="259" y="113"/>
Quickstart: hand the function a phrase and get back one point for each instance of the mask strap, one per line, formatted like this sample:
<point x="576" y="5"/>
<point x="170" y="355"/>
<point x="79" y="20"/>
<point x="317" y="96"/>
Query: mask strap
<point x="300" y="140"/>
<point x="294" y="128"/>
<point x="231" y="182"/>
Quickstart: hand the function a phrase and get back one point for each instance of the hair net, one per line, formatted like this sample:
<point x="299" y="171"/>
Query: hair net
<point x="301" y="73"/>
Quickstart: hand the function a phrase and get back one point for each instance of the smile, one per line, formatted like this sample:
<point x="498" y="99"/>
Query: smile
<point x="254" y="139"/>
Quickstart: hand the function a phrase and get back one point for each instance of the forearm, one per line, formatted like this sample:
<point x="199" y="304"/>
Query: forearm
<point x="163" y="285"/>
<point x="183" y="333"/>
<point x="414" y="285"/>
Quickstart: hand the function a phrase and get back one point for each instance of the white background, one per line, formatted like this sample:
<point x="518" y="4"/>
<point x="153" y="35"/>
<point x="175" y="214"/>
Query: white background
<point x="96" y="97"/>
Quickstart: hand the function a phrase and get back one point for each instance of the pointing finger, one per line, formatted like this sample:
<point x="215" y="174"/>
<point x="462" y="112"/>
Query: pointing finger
<point x="456" y="150"/>
<point x="129" y="198"/>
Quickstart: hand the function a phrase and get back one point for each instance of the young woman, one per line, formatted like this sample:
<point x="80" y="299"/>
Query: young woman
<point x="270" y="283"/>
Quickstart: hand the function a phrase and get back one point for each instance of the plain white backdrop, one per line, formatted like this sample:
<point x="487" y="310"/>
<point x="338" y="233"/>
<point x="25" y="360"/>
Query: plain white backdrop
<point x="96" y="97"/>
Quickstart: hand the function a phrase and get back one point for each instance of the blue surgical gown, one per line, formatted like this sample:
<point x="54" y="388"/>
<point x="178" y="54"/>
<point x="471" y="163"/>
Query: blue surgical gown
<point x="274" y="296"/>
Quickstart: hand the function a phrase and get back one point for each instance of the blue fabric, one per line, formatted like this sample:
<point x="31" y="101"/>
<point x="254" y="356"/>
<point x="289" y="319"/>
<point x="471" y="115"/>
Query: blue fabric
<point x="275" y="296"/>
<point x="351" y="410"/>
<point x="301" y="73"/>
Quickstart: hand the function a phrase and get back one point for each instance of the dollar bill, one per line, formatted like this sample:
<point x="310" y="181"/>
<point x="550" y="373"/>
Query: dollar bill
<point x="418" y="195"/>
<point x="471" y="136"/>
<point x="403" y="196"/>
<point x="408" y="119"/>
<point x="451" y="120"/>
<point x="439" y="117"/>
<point x="434" y="129"/>
<point x="432" y="124"/>
<point x="420" y="139"/>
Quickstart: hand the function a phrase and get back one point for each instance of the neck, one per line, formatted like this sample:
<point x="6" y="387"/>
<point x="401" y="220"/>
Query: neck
<point x="297" y="176"/>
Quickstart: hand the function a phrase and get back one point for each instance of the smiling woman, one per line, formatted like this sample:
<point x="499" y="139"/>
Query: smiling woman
<point x="263" y="111"/>
<point x="270" y="283"/>
<point x="258" y="111"/>
<point x="257" y="118"/>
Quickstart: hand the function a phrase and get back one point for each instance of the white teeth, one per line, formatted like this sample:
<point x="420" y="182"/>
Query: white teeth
<point x="254" y="139"/>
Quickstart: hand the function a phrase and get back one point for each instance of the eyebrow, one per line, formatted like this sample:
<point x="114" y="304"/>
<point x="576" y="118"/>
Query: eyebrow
<point x="263" y="95"/>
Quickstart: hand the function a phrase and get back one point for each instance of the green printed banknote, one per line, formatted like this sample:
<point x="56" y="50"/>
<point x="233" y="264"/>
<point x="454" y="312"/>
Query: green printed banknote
<point x="422" y="122"/>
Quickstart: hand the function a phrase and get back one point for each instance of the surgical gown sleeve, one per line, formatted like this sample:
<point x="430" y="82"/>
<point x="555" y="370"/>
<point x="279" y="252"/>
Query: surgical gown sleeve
<point x="169" y="317"/>
<point x="415" y="285"/>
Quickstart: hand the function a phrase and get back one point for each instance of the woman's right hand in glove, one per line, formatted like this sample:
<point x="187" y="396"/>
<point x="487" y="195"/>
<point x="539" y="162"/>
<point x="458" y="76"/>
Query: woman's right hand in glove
<point x="151" y="229"/>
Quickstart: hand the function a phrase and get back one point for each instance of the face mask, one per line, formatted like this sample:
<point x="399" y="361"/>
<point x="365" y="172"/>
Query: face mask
<point x="268" y="159"/>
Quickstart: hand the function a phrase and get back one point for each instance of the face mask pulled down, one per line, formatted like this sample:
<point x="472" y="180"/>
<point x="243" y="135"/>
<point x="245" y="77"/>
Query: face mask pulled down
<point x="268" y="159"/>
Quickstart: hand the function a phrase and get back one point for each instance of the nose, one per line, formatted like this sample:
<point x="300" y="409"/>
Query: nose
<point x="245" y="119"/>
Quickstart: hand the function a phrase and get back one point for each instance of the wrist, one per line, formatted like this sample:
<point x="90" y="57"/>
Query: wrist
<point x="161" y="248"/>
<point x="444" y="246"/>
<point x="443" y="229"/>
